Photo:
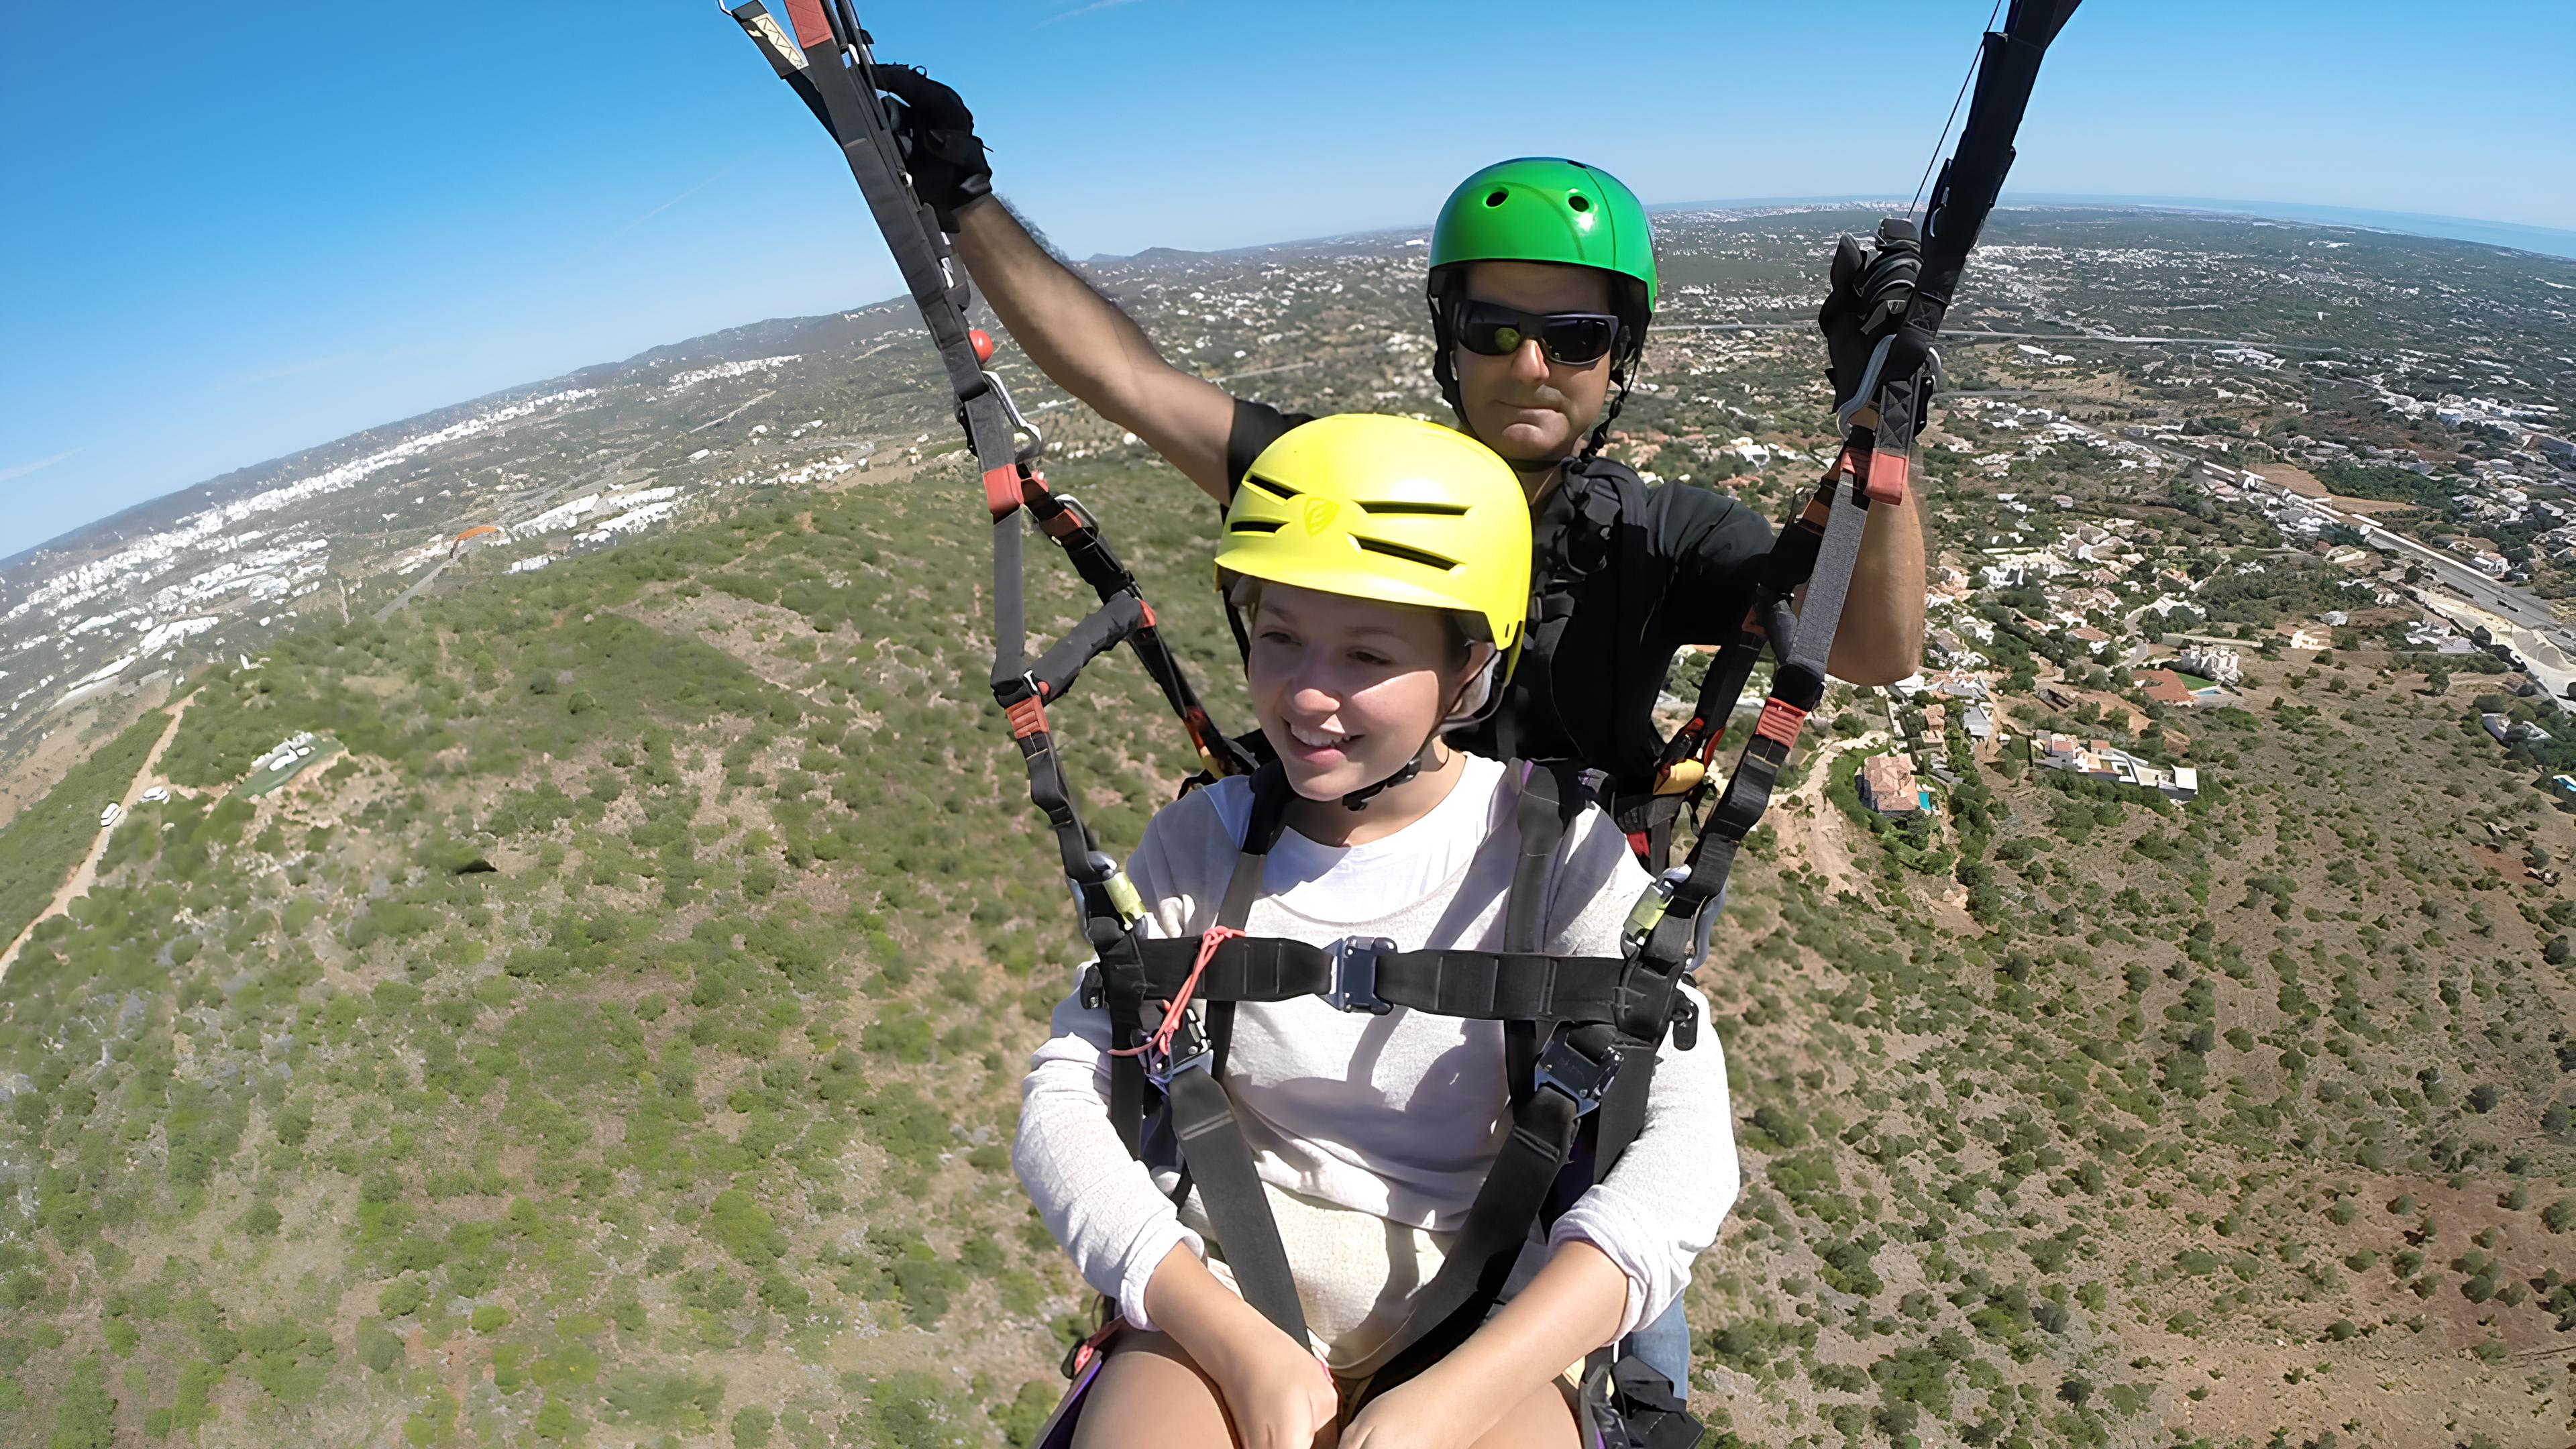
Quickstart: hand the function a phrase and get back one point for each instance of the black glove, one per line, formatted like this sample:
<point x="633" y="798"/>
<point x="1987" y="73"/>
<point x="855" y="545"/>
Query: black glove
<point x="1872" y="287"/>
<point x="937" y="136"/>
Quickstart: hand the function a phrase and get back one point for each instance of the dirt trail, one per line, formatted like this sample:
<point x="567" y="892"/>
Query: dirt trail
<point x="78" y="883"/>
<point x="1815" y="834"/>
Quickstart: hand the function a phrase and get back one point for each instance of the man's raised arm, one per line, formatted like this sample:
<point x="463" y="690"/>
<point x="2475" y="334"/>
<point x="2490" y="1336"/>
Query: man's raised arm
<point x="1880" y="640"/>
<point x="1076" y="336"/>
<point x="1081" y="341"/>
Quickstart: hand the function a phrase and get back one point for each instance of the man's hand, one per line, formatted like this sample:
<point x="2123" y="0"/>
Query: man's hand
<point x="1872" y="287"/>
<point x="937" y="135"/>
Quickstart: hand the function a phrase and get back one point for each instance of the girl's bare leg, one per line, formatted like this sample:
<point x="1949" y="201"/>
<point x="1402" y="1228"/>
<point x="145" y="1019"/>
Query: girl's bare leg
<point x="1149" y="1395"/>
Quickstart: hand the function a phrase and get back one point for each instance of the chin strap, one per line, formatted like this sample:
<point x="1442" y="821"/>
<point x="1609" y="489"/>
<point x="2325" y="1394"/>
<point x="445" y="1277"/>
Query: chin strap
<point x="1359" y="799"/>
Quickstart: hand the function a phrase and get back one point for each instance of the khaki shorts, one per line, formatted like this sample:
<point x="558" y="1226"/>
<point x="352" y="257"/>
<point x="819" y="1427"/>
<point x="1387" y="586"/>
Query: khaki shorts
<point x="1356" y="1272"/>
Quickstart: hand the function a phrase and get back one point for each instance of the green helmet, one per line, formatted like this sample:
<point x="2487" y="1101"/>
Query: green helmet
<point x="1544" y="209"/>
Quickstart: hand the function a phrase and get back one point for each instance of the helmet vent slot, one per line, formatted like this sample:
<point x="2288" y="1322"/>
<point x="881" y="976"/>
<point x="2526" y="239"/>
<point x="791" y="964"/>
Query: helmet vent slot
<point x="1419" y="510"/>
<point x="1275" y="490"/>
<point x="1578" y="202"/>
<point x="1253" y="525"/>
<point x="1498" y="198"/>
<point x="1410" y="555"/>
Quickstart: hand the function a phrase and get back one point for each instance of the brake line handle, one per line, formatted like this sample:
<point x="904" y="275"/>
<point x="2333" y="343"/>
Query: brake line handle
<point x="1109" y="626"/>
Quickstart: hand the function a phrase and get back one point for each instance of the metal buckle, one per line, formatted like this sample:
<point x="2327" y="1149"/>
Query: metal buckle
<point x="1355" y="975"/>
<point x="1190" y="1051"/>
<point x="1026" y="452"/>
<point x="1104" y="889"/>
<point x="1685" y="1021"/>
<point x="1092" y="991"/>
<point x="1574" y="1073"/>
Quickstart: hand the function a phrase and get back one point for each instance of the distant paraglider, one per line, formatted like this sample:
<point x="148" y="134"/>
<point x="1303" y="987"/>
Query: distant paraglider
<point x="475" y="537"/>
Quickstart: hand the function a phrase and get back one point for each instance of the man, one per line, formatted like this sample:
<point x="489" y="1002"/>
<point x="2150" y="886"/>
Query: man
<point x="1541" y="288"/>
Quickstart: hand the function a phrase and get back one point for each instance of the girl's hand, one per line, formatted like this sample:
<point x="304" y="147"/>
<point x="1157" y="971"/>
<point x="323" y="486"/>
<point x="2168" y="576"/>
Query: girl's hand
<point x="1279" y="1395"/>
<point x="1416" y="1415"/>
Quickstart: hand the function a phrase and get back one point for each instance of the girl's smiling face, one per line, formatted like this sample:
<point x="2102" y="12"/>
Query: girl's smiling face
<point x="1348" y="690"/>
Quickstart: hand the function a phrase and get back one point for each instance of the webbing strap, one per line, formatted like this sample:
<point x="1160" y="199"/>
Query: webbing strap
<point x="828" y="63"/>
<point x="1451" y="1306"/>
<point x="1212" y="1147"/>
<point x="1542" y="829"/>
<point x="1479" y="985"/>
<point x="1872" y="467"/>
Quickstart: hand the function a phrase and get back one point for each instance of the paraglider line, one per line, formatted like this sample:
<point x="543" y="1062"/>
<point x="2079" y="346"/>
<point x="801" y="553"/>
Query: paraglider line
<point x="1944" y="137"/>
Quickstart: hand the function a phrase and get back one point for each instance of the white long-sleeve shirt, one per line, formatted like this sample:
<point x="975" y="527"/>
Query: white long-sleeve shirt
<point x="1398" y="1115"/>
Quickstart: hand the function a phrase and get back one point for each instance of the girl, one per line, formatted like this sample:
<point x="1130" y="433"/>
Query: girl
<point x="1377" y="568"/>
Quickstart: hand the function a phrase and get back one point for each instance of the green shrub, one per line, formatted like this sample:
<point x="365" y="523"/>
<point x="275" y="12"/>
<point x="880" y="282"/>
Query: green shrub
<point x="402" y="1297"/>
<point x="1027" y="1413"/>
<point x="737" y="1224"/>
<point x="675" y="1401"/>
<point x="85" y="1414"/>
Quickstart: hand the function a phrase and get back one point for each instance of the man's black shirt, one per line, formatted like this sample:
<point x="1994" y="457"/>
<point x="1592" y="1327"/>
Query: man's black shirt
<point x="1635" y="573"/>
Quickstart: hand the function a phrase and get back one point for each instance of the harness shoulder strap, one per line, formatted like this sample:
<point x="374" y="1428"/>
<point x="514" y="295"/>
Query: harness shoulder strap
<point x="1550" y="799"/>
<point x="1202" y="1114"/>
<point x="1545" y="810"/>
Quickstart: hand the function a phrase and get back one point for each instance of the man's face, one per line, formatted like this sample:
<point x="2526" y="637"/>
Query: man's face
<point x="1531" y="410"/>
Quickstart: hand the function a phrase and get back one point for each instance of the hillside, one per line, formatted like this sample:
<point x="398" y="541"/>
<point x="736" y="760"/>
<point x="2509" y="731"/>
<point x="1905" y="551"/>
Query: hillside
<point x="610" y="1033"/>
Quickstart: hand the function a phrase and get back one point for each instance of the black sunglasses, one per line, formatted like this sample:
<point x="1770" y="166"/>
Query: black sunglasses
<point x="1570" y="339"/>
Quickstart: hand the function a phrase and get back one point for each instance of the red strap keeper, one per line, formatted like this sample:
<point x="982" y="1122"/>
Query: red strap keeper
<point x="1885" y="480"/>
<point x="1780" y="723"/>
<point x="1002" y="490"/>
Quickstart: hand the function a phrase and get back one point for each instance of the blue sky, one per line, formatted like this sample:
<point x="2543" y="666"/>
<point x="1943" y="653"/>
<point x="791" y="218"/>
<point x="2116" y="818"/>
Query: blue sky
<point x="234" y="232"/>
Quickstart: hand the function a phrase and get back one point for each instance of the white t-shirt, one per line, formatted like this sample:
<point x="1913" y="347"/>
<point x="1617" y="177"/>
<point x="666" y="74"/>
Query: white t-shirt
<point x="1398" y="1115"/>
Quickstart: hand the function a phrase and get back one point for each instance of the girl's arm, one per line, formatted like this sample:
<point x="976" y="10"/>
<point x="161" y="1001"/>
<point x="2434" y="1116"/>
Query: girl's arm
<point x="1279" y="1395"/>
<point x="1097" y="1200"/>
<point x="1572" y="1307"/>
<point x="1662" y="1205"/>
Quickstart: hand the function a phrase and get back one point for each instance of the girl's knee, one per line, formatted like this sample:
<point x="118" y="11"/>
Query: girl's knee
<point x="1150" y="1395"/>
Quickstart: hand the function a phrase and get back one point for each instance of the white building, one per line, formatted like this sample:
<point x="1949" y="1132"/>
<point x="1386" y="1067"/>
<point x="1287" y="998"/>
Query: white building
<point x="2214" y="662"/>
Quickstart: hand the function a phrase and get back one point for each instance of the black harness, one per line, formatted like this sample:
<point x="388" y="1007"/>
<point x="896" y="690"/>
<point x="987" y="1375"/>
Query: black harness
<point x="1580" y="1036"/>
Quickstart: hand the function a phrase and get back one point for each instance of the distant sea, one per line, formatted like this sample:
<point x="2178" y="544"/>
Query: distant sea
<point x="2548" y="241"/>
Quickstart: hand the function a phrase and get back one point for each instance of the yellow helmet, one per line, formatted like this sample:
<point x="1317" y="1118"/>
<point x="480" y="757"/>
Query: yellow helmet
<point x="1392" y="509"/>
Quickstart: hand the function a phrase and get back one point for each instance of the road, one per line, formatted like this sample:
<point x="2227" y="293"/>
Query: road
<point x="1815" y="832"/>
<point x="77" y="884"/>
<point x="2522" y="620"/>
<point x="409" y="594"/>
<point x="2518" y="619"/>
